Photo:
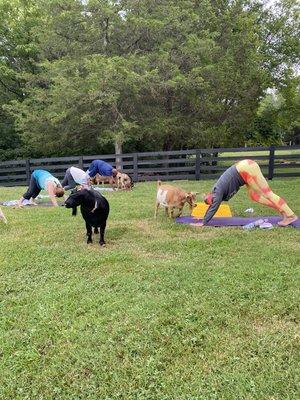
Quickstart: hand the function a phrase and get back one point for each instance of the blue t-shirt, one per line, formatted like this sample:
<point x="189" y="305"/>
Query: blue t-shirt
<point x="100" y="167"/>
<point x="41" y="176"/>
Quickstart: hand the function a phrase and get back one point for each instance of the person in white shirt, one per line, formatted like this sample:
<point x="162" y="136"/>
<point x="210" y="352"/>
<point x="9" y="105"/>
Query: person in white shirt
<point x="74" y="176"/>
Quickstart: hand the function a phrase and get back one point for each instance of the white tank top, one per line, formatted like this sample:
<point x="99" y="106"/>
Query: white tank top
<point x="78" y="175"/>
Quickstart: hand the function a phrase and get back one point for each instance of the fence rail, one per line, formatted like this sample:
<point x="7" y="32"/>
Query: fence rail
<point x="196" y="164"/>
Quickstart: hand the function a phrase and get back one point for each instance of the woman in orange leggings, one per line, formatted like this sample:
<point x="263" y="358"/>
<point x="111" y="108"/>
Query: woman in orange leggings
<point x="246" y="172"/>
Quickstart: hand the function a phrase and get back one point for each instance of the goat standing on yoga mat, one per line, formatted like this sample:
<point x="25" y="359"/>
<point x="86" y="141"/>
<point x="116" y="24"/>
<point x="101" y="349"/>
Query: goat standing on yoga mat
<point x="246" y="172"/>
<point x="94" y="210"/>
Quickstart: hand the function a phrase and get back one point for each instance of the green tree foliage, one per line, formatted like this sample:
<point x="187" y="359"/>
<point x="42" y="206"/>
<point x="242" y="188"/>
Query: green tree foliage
<point x="103" y="75"/>
<point x="266" y="129"/>
<point x="18" y="56"/>
<point x="278" y="117"/>
<point x="87" y="104"/>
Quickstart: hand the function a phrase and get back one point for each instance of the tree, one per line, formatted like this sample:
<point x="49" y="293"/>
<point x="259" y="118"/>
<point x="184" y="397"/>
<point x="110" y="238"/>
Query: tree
<point x="86" y="104"/>
<point x="129" y="75"/>
<point x="278" y="117"/>
<point x="18" y="55"/>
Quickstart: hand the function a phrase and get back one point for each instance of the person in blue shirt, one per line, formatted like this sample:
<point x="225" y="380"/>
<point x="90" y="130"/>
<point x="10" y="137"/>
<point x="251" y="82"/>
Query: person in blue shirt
<point x="42" y="179"/>
<point x="102" y="168"/>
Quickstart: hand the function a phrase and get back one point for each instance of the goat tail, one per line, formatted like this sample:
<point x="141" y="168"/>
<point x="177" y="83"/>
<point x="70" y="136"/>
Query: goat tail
<point x="131" y="182"/>
<point x="158" y="183"/>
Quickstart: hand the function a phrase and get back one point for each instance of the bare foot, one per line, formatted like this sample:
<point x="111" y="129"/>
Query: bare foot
<point x="288" y="220"/>
<point x="194" y="224"/>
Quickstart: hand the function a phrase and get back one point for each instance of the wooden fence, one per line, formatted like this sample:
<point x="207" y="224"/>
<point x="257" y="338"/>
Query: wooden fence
<point x="164" y="165"/>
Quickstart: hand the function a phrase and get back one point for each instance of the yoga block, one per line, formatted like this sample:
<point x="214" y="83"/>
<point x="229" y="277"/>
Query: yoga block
<point x="200" y="210"/>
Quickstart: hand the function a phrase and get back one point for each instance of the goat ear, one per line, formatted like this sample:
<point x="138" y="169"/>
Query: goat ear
<point x="74" y="211"/>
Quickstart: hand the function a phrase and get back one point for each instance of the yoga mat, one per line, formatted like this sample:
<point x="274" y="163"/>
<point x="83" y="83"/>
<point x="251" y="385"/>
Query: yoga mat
<point x="12" y="203"/>
<point x="200" y="210"/>
<point x="104" y="189"/>
<point x="233" y="221"/>
<point x="26" y="203"/>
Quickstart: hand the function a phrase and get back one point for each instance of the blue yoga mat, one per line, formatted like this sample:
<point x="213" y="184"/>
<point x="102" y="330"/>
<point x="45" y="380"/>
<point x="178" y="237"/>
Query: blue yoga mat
<point x="233" y="221"/>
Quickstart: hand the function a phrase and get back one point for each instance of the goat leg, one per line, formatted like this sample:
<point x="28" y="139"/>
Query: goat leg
<point x="180" y="211"/>
<point x="156" y="209"/>
<point x="102" y="230"/>
<point x="89" y="233"/>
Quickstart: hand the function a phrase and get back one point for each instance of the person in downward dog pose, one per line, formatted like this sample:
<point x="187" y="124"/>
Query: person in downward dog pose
<point x="100" y="167"/>
<point x="246" y="172"/>
<point x="42" y="179"/>
<point x="73" y="177"/>
<point x="123" y="181"/>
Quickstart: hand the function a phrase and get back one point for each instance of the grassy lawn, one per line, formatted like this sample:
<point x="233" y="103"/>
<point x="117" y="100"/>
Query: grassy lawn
<point x="281" y="161"/>
<point x="263" y="153"/>
<point x="164" y="312"/>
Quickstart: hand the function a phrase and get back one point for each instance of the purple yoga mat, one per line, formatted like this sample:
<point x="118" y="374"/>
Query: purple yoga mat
<point x="233" y="221"/>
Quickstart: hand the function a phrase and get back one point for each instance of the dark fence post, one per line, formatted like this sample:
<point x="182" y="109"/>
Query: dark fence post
<point x="271" y="162"/>
<point x="80" y="162"/>
<point x="135" y="167"/>
<point x="198" y="164"/>
<point x="28" y="171"/>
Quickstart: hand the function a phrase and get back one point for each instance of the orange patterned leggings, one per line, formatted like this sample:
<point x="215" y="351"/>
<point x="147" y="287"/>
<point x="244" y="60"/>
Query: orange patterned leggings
<point x="258" y="188"/>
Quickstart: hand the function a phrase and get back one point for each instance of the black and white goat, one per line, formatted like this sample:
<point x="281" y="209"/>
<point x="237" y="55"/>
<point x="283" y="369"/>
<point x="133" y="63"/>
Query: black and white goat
<point x="94" y="210"/>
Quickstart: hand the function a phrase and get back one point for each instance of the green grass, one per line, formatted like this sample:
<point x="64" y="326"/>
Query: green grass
<point x="164" y="312"/>
<point x="280" y="162"/>
<point x="262" y="153"/>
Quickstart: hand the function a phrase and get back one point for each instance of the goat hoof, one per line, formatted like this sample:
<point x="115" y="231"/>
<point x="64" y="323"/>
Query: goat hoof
<point x="89" y="241"/>
<point x="102" y="244"/>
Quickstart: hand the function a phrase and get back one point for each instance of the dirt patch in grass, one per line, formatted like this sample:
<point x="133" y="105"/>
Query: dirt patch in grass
<point x="276" y="325"/>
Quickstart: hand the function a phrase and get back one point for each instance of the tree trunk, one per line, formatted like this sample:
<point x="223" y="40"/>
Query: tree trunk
<point x="118" y="150"/>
